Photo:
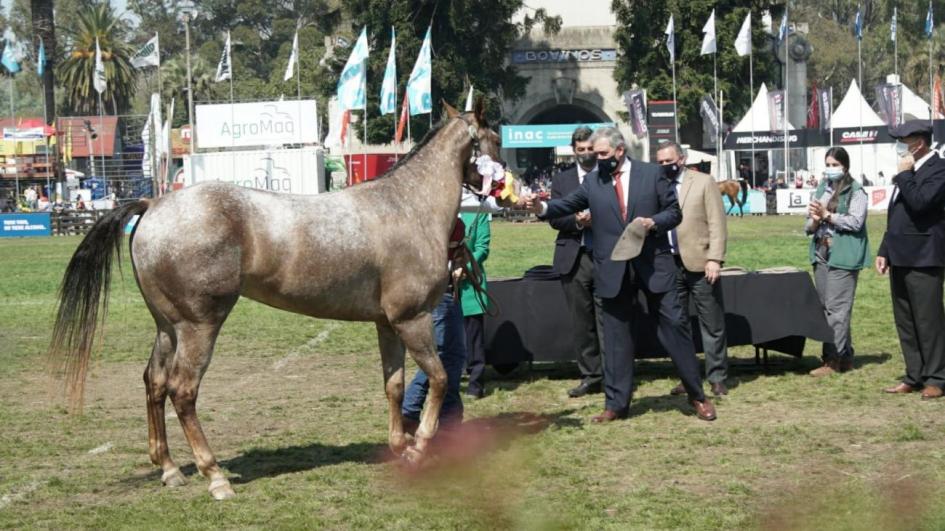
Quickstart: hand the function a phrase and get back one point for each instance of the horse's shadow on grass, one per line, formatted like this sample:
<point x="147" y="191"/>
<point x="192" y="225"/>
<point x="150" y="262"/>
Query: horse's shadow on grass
<point x="259" y="463"/>
<point x="474" y="437"/>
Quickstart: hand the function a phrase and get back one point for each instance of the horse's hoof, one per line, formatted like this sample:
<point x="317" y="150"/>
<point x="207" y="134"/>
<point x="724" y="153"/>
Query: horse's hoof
<point x="174" y="478"/>
<point x="412" y="457"/>
<point x="220" y="489"/>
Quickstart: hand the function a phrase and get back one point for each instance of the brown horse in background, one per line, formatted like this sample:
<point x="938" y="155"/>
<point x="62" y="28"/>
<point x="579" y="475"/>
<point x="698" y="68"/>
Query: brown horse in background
<point x="731" y="188"/>
<point x="374" y="252"/>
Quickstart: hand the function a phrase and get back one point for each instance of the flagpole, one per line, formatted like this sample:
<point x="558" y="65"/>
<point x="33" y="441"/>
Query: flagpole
<point x="896" y="43"/>
<point x="46" y="141"/>
<point x="16" y="172"/>
<point x="751" y="110"/>
<point x="672" y="62"/>
<point x="787" y="93"/>
<point x="859" y="75"/>
<point x="364" y="145"/>
<point x="718" y="132"/>
<point x="101" y="142"/>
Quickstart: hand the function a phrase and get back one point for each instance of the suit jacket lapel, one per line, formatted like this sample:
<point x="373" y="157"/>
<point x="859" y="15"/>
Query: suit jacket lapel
<point x="635" y="176"/>
<point x="684" y="189"/>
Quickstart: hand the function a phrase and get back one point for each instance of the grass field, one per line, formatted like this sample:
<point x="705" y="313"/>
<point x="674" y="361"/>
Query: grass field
<point x="295" y="411"/>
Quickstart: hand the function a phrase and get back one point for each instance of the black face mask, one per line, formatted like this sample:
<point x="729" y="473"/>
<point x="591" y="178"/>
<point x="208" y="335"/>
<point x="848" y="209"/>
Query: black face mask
<point x="670" y="171"/>
<point x="587" y="160"/>
<point x="607" y="166"/>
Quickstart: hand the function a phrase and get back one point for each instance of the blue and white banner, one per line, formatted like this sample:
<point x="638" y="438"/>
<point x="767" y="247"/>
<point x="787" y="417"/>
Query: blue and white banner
<point x="541" y="136"/>
<point x="389" y="86"/>
<point x="353" y="77"/>
<point x="419" y="86"/>
<point x="17" y="225"/>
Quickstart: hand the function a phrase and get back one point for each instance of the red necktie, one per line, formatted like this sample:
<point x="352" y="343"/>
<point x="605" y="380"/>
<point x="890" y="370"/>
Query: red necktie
<point x="620" y="199"/>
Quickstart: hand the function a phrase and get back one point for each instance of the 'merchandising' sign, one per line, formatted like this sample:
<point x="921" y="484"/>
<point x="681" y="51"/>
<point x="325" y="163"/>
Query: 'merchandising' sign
<point x="257" y="124"/>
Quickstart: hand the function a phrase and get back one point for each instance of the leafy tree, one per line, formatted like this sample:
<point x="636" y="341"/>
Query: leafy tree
<point x="645" y="60"/>
<point x="77" y="70"/>
<point x="470" y="41"/>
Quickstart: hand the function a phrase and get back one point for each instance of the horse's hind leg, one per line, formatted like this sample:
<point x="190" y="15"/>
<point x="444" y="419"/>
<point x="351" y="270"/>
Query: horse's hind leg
<point x="194" y="350"/>
<point x="417" y="335"/>
<point x="392" y="359"/>
<point x="155" y="385"/>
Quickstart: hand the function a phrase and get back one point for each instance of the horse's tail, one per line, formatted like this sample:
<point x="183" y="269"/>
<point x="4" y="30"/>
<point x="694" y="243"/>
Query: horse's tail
<point x="83" y="290"/>
<point x="744" y="185"/>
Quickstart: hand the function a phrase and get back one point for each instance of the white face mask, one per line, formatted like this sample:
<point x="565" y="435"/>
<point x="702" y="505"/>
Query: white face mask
<point x="833" y="173"/>
<point x="902" y="149"/>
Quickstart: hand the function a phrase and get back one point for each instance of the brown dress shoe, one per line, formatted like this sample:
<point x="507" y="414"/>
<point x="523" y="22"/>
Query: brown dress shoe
<point x="845" y="364"/>
<point x="931" y="391"/>
<point x="609" y="416"/>
<point x="900" y="389"/>
<point x="828" y="368"/>
<point x="678" y="390"/>
<point x="704" y="410"/>
<point x="719" y="389"/>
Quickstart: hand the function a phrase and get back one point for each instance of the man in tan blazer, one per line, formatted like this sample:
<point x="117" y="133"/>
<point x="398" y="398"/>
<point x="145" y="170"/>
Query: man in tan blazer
<point x="698" y="244"/>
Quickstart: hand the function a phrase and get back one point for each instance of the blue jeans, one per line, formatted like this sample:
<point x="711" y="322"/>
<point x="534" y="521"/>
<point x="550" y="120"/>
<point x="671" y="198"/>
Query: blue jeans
<point x="451" y="348"/>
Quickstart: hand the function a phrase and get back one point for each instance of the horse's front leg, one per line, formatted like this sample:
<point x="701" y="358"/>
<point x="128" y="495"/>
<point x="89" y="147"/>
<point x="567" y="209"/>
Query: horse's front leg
<point x="417" y="336"/>
<point x="392" y="359"/>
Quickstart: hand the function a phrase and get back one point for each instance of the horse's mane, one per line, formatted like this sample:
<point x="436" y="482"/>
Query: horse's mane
<point x="420" y="145"/>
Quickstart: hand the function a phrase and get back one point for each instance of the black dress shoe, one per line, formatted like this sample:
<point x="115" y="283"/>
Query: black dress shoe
<point x="584" y="388"/>
<point x="609" y="416"/>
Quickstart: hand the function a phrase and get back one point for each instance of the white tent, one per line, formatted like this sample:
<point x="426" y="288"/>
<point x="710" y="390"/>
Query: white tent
<point x="869" y="160"/>
<point x="853" y="111"/>
<point x="758" y="115"/>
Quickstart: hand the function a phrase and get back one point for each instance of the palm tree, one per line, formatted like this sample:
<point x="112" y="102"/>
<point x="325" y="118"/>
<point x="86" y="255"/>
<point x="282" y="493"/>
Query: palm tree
<point x="44" y="31"/>
<point x="77" y="71"/>
<point x="174" y="73"/>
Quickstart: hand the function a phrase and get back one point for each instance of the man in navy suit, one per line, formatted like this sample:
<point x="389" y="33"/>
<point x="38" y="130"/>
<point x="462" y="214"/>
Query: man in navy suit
<point x="913" y="252"/>
<point x="574" y="263"/>
<point x="618" y="191"/>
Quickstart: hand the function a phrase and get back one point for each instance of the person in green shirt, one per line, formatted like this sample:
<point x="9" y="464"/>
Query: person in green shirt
<point x="475" y="304"/>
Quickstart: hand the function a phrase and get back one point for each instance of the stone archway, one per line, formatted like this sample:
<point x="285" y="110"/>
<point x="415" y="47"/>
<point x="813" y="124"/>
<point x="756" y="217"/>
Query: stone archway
<point x="551" y="112"/>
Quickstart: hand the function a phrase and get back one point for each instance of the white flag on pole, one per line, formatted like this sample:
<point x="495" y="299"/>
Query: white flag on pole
<point x="743" y="41"/>
<point x="708" y="42"/>
<point x="419" y="85"/>
<point x="290" y="68"/>
<point x="469" y="100"/>
<point x="225" y="68"/>
<point x="350" y="89"/>
<point x="99" y="78"/>
<point x="148" y="55"/>
<point x="389" y="86"/>
<point x="671" y="39"/>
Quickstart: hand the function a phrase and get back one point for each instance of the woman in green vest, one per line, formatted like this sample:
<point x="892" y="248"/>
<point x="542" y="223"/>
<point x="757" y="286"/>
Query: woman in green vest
<point x="839" y="249"/>
<point x="478" y="235"/>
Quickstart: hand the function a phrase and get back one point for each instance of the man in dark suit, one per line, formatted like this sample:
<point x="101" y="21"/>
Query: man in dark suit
<point x="618" y="191"/>
<point x="574" y="262"/>
<point x="913" y="251"/>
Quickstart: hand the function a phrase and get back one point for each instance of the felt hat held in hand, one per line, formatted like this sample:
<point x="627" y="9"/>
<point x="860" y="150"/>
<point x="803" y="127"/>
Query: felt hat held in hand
<point x="630" y="243"/>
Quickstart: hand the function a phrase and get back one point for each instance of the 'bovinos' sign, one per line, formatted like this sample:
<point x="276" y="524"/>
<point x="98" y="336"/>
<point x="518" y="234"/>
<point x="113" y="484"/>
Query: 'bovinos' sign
<point x="588" y="55"/>
<point x="256" y="124"/>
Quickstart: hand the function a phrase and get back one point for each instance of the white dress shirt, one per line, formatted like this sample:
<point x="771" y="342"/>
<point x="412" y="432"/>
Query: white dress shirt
<point x="624" y="185"/>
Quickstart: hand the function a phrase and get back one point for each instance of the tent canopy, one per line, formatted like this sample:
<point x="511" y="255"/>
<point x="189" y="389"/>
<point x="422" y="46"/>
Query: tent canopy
<point x="853" y="111"/>
<point x="759" y="113"/>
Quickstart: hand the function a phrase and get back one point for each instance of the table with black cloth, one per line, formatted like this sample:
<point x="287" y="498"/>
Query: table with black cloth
<point x="776" y="311"/>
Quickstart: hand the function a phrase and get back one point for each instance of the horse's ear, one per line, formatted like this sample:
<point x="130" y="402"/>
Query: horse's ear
<point x="479" y="110"/>
<point x="451" y="111"/>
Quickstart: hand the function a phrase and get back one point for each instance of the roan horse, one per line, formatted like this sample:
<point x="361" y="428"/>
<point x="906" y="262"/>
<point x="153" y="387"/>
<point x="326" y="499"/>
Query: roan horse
<point x="374" y="252"/>
<point x="731" y="188"/>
